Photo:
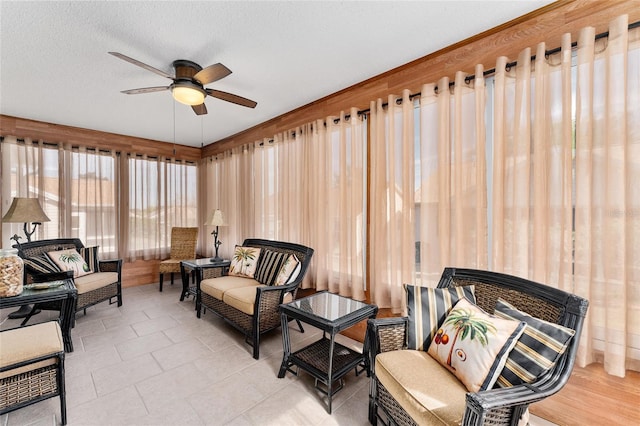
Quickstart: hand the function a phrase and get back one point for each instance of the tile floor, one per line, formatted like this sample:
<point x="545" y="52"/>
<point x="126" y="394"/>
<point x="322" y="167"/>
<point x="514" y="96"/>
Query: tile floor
<point x="153" y="362"/>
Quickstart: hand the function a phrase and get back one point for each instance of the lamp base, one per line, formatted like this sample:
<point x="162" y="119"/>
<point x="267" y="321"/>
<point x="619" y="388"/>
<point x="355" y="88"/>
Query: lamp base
<point x="216" y="259"/>
<point x="22" y="312"/>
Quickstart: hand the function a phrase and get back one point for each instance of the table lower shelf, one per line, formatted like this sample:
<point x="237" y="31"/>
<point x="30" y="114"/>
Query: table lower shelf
<point x="314" y="359"/>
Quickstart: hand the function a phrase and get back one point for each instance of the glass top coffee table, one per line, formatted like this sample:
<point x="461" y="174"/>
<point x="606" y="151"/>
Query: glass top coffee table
<point x="325" y="359"/>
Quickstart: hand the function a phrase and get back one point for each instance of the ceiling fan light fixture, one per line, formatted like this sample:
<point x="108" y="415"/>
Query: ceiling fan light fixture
<point x="188" y="93"/>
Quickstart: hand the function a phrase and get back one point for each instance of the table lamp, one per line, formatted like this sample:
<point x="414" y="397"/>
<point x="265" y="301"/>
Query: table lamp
<point x="216" y="218"/>
<point x="28" y="211"/>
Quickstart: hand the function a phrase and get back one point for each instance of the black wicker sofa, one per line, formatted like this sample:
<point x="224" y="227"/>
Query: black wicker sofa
<point x="103" y="284"/>
<point x="418" y="390"/>
<point x="249" y="305"/>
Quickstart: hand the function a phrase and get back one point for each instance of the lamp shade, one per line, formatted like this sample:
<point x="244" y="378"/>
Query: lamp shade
<point x="216" y="218"/>
<point x="24" y="210"/>
<point x="187" y="93"/>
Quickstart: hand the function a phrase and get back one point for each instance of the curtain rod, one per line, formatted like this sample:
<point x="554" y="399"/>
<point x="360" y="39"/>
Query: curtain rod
<point x="491" y="71"/>
<point x="105" y="151"/>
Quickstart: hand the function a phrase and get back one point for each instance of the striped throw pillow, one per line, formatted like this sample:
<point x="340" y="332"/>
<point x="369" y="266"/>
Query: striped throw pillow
<point x="537" y="350"/>
<point x="90" y="255"/>
<point x="427" y="308"/>
<point x="40" y="265"/>
<point x="289" y="271"/>
<point x="269" y="266"/>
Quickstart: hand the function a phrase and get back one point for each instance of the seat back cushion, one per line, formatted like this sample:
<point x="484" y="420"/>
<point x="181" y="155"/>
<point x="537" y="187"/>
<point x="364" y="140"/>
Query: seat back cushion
<point x="244" y="261"/>
<point x="40" y="264"/>
<point x="474" y="345"/>
<point x="90" y="256"/>
<point x="269" y="266"/>
<point x="289" y="271"/>
<point x="70" y="260"/>
<point x="427" y="308"/>
<point x="536" y="351"/>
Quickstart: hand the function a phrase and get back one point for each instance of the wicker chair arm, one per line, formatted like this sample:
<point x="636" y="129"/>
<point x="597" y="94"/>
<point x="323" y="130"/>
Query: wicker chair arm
<point x="387" y="334"/>
<point x="506" y="405"/>
<point x="53" y="276"/>
<point x="384" y="335"/>
<point x="262" y="292"/>
<point x="110" y="265"/>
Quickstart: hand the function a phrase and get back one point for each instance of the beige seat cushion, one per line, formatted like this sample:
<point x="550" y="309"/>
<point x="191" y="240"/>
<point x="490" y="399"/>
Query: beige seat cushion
<point x="216" y="287"/>
<point x="94" y="281"/>
<point x="26" y="343"/>
<point x="244" y="298"/>
<point x="426" y="390"/>
<point x="170" y="266"/>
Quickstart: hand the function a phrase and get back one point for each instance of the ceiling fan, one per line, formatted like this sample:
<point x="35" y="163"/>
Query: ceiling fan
<point x="188" y="83"/>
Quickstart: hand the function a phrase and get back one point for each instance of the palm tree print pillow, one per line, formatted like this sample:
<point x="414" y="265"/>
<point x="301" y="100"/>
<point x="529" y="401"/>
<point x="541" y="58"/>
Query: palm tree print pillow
<point x="70" y="260"/>
<point x="244" y="261"/>
<point x="474" y="345"/>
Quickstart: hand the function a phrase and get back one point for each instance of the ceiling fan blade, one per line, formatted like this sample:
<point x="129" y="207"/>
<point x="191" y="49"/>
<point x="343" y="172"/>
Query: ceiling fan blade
<point x="145" y="90"/>
<point x="229" y="97"/>
<point x="212" y="73"/>
<point x="199" y="109"/>
<point x="141" y="64"/>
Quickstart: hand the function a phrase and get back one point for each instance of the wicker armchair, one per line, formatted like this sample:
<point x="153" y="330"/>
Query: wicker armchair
<point x="497" y="406"/>
<point x="183" y="247"/>
<point x="97" y="291"/>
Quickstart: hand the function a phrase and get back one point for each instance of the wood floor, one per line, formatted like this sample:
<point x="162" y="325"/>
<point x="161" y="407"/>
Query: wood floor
<point x="590" y="397"/>
<point x="593" y="397"/>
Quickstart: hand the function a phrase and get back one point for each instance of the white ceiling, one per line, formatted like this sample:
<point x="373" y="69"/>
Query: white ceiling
<point x="55" y="67"/>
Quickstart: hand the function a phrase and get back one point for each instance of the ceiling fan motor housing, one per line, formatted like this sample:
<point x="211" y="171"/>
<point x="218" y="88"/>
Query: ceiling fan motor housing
<point x="186" y="69"/>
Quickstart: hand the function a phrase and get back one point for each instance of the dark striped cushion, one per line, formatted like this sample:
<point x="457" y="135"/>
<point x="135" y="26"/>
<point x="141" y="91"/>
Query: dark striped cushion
<point x="269" y="266"/>
<point x="537" y="350"/>
<point x="90" y="255"/>
<point x="427" y="308"/>
<point x="40" y="265"/>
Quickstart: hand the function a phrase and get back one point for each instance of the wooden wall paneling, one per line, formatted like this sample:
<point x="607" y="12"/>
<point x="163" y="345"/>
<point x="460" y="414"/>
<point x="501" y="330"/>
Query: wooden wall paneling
<point x="143" y="272"/>
<point x="547" y="24"/>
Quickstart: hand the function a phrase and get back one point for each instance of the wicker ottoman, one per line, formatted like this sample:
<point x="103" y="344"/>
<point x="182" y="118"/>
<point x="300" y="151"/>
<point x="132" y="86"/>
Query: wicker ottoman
<point x="32" y="367"/>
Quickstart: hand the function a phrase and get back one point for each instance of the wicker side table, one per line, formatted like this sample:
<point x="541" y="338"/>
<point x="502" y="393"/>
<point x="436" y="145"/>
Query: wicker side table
<point x="325" y="359"/>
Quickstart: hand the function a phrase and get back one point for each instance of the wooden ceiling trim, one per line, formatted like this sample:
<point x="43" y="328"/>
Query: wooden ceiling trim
<point x="57" y="133"/>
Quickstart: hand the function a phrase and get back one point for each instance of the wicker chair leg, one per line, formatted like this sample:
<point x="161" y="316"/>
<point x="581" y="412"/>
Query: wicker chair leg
<point x="161" y="280"/>
<point x="172" y="278"/>
<point x="63" y="392"/>
<point x="256" y="345"/>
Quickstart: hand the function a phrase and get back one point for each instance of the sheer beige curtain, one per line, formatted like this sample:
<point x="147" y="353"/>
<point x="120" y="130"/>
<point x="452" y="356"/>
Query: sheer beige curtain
<point x="23" y="163"/>
<point x="93" y="215"/>
<point x="451" y="189"/>
<point x="82" y="204"/>
<point x="392" y="200"/>
<point x="278" y="198"/>
<point x="334" y="188"/>
<point x="162" y="193"/>
<point x="607" y="235"/>
<point x="226" y="183"/>
<point x="532" y="180"/>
